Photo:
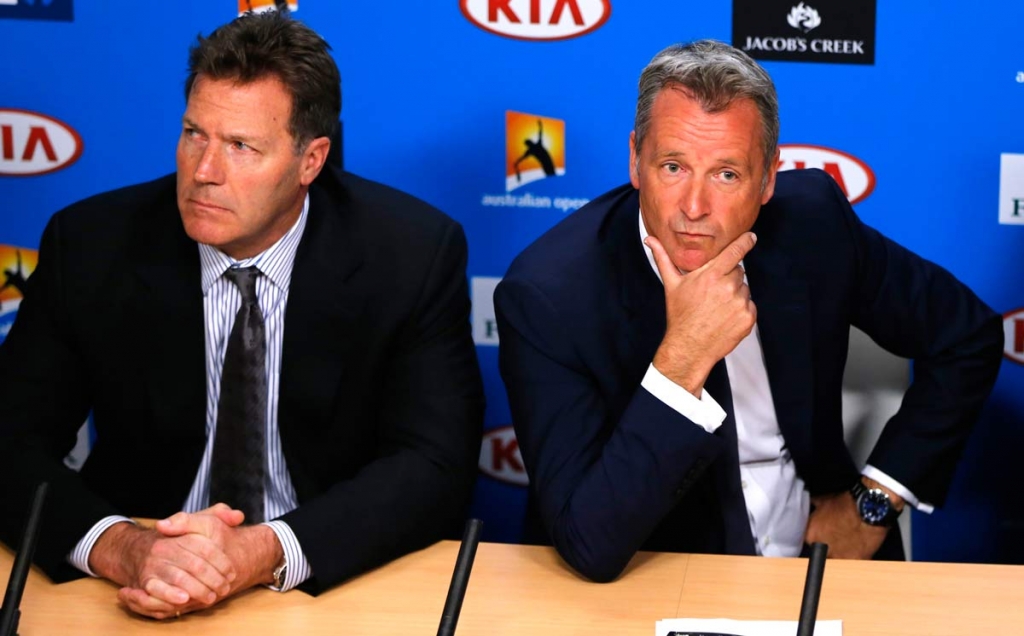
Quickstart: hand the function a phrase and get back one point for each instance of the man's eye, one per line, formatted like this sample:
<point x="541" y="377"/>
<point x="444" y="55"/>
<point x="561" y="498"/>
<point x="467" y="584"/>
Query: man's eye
<point x="240" y="145"/>
<point x="672" y="168"/>
<point x="728" y="175"/>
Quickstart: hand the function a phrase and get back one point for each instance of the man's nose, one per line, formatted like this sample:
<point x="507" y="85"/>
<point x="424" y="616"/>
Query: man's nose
<point x="693" y="202"/>
<point x="210" y="168"/>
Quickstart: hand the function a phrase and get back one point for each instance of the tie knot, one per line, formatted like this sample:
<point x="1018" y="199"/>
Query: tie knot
<point x="245" y="279"/>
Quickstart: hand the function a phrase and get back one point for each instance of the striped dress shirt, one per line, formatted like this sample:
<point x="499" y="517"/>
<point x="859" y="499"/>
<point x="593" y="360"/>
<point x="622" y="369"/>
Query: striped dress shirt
<point x="221" y="300"/>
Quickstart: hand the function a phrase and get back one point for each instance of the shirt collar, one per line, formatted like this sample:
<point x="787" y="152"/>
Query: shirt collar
<point x="275" y="262"/>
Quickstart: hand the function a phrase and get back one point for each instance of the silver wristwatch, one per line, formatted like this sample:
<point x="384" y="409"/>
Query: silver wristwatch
<point x="280" y="573"/>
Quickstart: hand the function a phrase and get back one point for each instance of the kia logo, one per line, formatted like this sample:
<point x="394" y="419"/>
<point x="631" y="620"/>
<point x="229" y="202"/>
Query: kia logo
<point x="537" y="19"/>
<point x="33" y="144"/>
<point x="854" y="177"/>
<point x="500" y="458"/>
<point x="1013" y="335"/>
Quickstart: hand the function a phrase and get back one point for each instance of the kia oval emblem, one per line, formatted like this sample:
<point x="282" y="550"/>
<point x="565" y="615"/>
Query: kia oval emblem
<point x="34" y="144"/>
<point x="854" y="177"/>
<point x="537" y="19"/>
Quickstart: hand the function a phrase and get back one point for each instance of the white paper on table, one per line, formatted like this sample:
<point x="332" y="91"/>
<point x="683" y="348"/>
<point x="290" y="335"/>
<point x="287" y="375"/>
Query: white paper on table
<point x="728" y="627"/>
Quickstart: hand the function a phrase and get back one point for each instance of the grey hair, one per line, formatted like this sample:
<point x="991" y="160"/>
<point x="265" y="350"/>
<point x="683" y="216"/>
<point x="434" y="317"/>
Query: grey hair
<point x="715" y="75"/>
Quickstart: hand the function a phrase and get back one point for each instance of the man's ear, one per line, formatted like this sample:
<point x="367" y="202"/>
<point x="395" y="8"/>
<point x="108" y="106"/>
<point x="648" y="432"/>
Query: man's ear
<point x="769" y="183"/>
<point x="634" y="166"/>
<point x="313" y="159"/>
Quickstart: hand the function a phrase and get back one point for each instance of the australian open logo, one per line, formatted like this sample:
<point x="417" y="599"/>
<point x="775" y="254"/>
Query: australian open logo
<point x="259" y="6"/>
<point x="16" y="265"/>
<point x="529" y="154"/>
<point x="534" y="153"/>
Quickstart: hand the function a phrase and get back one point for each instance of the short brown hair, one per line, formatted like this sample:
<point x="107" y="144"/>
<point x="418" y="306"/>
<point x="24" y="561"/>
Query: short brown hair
<point x="715" y="75"/>
<point x="257" y="45"/>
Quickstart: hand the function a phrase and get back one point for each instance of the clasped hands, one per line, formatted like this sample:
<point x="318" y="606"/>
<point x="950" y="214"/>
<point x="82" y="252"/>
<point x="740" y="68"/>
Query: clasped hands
<point x="189" y="561"/>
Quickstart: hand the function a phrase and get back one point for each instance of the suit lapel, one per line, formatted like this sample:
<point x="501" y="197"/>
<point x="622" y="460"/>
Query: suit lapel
<point x="640" y="292"/>
<point x="325" y="300"/>
<point x="168" y="315"/>
<point x="785" y="329"/>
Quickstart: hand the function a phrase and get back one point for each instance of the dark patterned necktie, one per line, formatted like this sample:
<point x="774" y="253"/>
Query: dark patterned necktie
<point x="239" y="449"/>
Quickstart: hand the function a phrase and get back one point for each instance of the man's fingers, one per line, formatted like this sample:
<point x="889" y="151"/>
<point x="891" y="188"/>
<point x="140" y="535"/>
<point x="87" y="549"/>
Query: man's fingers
<point x="178" y="587"/>
<point x="182" y="523"/>
<point x="141" y="603"/>
<point x="733" y="253"/>
<point x="175" y="525"/>
<point x="668" y="270"/>
<point x="164" y="591"/>
<point x="225" y="513"/>
<point x="208" y="563"/>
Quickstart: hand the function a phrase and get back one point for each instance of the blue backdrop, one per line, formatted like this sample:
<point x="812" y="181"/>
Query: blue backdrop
<point x="437" y="104"/>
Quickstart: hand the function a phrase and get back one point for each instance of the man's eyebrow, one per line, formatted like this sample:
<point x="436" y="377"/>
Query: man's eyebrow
<point x="229" y="136"/>
<point x="726" y="160"/>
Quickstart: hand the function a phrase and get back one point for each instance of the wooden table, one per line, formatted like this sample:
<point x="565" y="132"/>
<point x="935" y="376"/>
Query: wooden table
<point x="520" y="590"/>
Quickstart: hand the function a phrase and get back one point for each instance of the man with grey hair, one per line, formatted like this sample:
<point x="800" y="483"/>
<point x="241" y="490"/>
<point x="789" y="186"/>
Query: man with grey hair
<point x="673" y="352"/>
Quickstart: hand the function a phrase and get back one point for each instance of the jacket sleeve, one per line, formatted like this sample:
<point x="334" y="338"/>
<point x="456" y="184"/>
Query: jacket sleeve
<point x="44" y="399"/>
<point x="603" y="482"/>
<point x="918" y="310"/>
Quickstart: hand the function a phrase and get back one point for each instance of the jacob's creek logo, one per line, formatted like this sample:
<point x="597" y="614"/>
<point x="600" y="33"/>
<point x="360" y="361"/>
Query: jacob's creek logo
<point x="840" y="31"/>
<point x="537" y="19"/>
<point x="32" y="143"/>
<point x="854" y="177"/>
<point x="803" y="18"/>
<point x="534" y="151"/>
<point x="500" y="457"/>
<point x="485" y="327"/>
<point x="1011" y="189"/>
<point x="259" y="6"/>
<point x="61" y="10"/>
<point x="16" y="265"/>
<point x="1013" y="335"/>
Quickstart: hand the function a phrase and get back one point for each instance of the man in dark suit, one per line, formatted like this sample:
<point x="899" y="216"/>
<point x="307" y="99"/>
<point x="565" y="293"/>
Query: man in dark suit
<point x="257" y="337"/>
<point x="673" y="352"/>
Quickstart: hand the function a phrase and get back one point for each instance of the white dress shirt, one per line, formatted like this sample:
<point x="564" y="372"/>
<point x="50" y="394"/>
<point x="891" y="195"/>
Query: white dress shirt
<point x="777" y="502"/>
<point x="221" y="300"/>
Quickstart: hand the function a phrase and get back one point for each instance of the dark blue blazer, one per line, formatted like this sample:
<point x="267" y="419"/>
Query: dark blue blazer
<point x="614" y="470"/>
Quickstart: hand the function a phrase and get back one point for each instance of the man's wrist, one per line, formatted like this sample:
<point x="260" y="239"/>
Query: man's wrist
<point x="298" y="568"/>
<point x="897" y="502"/>
<point x="112" y="557"/>
<point x="874" y="505"/>
<point x="690" y="376"/>
<point x="267" y="554"/>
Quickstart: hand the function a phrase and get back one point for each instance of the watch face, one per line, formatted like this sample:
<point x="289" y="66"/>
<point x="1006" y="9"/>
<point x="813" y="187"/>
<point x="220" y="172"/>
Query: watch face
<point x="874" y="506"/>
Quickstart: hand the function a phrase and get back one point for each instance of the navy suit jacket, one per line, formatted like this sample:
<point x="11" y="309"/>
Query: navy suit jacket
<point x="613" y="470"/>
<point x="380" y="404"/>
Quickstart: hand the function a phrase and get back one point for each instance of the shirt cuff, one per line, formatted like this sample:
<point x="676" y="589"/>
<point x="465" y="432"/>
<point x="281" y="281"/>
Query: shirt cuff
<point x="705" y="412"/>
<point x="873" y="473"/>
<point x="79" y="556"/>
<point x="298" y="566"/>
